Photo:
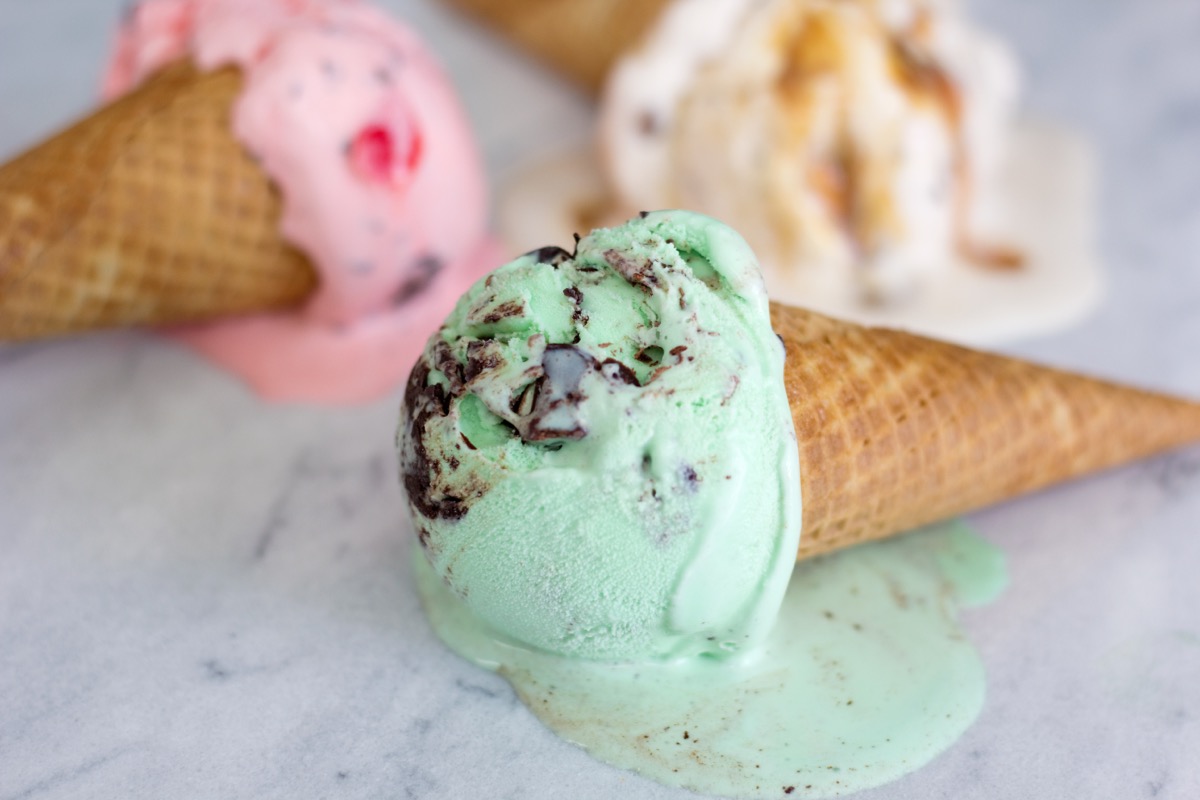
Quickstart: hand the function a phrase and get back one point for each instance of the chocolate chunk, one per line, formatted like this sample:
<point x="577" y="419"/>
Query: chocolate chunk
<point x="566" y="365"/>
<point x="482" y="355"/>
<point x="509" y="308"/>
<point x="650" y="355"/>
<point x="555" y="410"/>
<point x="422" y="402"/>
<point x="445" y="363"/>
<point x="577" y="298"/>
<point x="523" y="404"/>
<point x="639" y="272"/>
<point x="421" y="473"/>
<point x="551" y="255"/>
<point x="615" y="371"/>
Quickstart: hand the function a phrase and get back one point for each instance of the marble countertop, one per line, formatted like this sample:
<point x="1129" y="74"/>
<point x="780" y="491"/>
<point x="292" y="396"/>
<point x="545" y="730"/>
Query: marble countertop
<point x="205" y="596"/>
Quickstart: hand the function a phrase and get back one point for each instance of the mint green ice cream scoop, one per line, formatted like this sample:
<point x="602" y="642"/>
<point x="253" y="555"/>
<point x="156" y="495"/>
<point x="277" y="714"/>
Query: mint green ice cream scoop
<point x="597" y="448"/>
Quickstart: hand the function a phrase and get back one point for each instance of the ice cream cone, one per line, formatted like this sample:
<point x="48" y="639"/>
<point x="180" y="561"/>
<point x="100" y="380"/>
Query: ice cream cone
<point x="897" y="431"/>
<point x="149" y="211"/>
<point x="579" y="38"/>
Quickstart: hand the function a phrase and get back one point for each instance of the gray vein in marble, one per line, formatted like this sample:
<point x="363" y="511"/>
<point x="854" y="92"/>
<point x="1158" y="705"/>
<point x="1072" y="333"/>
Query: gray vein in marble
<point x="63" y="777"/>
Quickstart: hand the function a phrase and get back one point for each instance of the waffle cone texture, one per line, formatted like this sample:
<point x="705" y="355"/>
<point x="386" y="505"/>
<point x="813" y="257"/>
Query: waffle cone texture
<point x="581" y="39"/>
<point x="147" y="212"/>
<point x="898" y="431"/>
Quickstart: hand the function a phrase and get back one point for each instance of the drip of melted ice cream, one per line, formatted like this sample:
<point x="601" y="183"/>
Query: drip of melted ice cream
<point x="866" y="676"/>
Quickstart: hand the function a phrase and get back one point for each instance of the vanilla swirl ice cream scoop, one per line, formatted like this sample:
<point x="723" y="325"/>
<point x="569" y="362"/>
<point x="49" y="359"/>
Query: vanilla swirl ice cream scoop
<point x="597" y="448"/>
<point x="849" y="141"/>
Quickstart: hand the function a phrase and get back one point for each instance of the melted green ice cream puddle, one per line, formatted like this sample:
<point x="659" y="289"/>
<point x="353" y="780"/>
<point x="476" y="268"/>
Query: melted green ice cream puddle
<point x="865" y="677"/>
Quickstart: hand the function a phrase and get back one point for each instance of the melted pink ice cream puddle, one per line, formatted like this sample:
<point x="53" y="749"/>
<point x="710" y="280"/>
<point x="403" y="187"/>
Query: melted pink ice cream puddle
<point x="382" y="183"/>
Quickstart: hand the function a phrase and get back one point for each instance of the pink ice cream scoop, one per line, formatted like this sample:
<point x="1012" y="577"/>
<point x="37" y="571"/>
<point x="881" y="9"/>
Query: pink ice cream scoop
<point x="381" y="182"/>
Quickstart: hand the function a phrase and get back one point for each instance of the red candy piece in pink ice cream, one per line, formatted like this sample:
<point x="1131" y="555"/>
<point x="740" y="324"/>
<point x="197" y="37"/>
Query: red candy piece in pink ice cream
<point x="375" y="155"/>
<point x="381" y="179"/>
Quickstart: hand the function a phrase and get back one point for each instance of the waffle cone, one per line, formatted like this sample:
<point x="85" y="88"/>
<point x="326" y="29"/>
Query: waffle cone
<point x="898" y="431"/>
<point x="147" y="212"/>
<point x="581" y="39"/>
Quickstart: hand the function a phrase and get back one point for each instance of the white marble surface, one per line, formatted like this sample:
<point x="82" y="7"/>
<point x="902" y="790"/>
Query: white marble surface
<point x="205" y="596"/>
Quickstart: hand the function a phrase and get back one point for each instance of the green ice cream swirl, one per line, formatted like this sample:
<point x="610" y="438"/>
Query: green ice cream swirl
<point x="597" y="448"/>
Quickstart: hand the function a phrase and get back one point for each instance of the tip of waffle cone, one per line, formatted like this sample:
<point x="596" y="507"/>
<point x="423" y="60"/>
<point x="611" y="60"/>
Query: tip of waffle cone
<point x="898" y="431"/>
<point x="146" y="212"/>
